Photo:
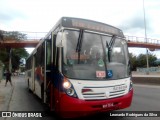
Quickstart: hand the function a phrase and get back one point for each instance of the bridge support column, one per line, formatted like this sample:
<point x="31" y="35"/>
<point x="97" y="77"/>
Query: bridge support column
<point x="9" y="51"/>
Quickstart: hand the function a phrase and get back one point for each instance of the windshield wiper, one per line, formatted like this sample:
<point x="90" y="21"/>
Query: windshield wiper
<point x="112" y="41"/>
<point x="79" y="44"/>
<point x="110" y="45"/>
<point x="105" y="60"/>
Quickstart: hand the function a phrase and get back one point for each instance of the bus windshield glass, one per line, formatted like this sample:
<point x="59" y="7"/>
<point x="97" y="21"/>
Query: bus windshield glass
<point x="96" y="59"/>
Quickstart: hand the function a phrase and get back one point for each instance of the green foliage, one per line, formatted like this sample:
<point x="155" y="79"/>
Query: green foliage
<point x="21" y="52"/>
<point x="156" y="62"/>
<point x="133" y="61"/>
<point x="17" y="54"/>
<point x="14" y="35"/>
<point x="1" y="64"/>
<point x="3" y="55"/>
<point x="141" y="60"/>
<point x="152" y="58"/>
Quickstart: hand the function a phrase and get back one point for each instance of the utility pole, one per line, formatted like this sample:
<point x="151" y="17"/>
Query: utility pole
<point x="147" y="72"/>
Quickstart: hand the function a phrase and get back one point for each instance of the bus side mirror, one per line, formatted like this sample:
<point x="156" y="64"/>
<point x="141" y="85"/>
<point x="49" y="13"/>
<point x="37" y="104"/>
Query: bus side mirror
<point x="59" y="58"/>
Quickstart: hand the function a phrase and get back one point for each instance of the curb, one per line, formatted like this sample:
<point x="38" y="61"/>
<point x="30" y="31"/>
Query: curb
<point x="146" y="80"/>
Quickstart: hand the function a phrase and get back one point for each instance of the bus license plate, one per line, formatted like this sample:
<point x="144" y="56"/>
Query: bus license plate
<point x="108" y="105"/>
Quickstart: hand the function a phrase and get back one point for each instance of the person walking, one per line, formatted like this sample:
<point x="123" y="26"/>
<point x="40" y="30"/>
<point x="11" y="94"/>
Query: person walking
<point x="8" y="77"/>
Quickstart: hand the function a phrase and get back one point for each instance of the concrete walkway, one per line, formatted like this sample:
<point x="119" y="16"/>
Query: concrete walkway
<point x="5" y="94"/>
<point x="140" y="74"/>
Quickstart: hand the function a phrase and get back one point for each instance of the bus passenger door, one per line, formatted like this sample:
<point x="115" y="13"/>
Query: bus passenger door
<point x="50" y="52"/>
<point x="47" y="70"/>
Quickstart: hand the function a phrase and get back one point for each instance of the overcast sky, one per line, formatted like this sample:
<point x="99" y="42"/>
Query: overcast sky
<point x="41" y="15"/>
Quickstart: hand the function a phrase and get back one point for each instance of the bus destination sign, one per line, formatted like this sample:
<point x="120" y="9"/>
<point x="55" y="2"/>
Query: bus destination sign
<point x="92" y="25"/>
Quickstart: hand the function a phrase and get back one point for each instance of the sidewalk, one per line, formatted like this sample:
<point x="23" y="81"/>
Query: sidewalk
<point x="5" y="94"/>
<point x="140" y="74"/>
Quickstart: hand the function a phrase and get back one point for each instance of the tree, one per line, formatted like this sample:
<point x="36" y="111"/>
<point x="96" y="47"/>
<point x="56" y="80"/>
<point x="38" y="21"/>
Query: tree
<point x="133" y="61"/>
<point x="17" y="54"/>
<point x="14" y="35"/>
<point x="3" y="55"/>
<point x="156" y="62"/>
<point x="1" y="35"/>
<point x="142" y="62"/>
<point x="152" y="58"/>
<point x="21" y="52"/>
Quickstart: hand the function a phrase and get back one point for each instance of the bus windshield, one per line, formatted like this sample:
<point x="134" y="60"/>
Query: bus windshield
<point x="95" y="59"/>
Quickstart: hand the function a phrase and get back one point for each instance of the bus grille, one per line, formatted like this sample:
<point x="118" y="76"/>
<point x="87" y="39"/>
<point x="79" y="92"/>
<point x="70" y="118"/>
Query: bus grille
<point x="100" y="93"/>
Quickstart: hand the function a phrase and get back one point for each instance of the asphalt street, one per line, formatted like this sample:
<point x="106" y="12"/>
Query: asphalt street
<point x="146" y="98"/>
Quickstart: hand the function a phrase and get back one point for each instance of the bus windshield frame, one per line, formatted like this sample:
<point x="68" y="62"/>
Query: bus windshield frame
<point x="98" y="57"/>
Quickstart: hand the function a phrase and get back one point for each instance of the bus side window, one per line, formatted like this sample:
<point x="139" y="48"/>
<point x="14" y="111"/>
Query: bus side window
<point x="48" y="54"/>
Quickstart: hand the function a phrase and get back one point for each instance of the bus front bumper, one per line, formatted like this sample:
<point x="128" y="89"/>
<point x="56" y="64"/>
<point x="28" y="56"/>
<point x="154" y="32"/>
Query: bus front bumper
<point x="70" y="107"/>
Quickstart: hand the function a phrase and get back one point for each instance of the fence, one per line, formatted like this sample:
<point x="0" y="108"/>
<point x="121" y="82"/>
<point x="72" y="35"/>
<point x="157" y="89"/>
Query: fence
<point x="151" y="69"/>
<point x="142" y="40"/>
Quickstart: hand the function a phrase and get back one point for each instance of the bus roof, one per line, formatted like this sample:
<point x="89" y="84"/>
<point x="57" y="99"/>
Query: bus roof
<point x="90" y="25"/>
<point x="70" y="22"/>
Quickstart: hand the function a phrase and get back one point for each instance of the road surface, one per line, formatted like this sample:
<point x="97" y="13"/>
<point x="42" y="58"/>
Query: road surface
<point x="146" y="98"/>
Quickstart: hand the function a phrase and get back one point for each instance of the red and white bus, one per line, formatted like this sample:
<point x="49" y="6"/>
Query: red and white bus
<point x="81" y="67"/>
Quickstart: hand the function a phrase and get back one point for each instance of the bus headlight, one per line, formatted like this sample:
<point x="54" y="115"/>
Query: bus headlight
<point x="131" y="85"/>
<point x="70" y="92"/>
<point x="66" y="84"/>
<point x="68" y="88"/>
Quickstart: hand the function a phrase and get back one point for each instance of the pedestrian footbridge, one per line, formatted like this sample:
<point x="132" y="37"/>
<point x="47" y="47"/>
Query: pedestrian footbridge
<point x="32" y="39"/>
